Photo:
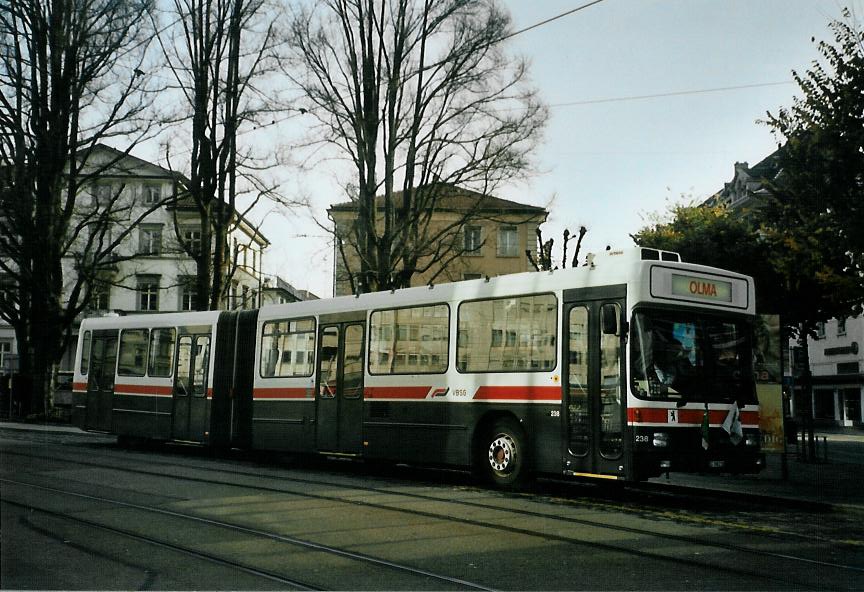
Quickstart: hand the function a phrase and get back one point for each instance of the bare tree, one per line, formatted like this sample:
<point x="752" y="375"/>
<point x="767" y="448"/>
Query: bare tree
<point x="544" y="261"/>
<point x="72" y="74"/>
<point x="420" y="97"/>
<point x="219" y="54"/>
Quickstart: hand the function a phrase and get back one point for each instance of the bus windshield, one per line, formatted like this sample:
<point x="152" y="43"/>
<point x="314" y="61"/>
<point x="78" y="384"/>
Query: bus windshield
<point x="690" y="356"/>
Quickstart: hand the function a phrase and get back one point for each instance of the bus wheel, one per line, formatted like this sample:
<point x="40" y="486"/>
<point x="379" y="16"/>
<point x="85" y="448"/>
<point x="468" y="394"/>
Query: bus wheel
<point x="504" y="462"/>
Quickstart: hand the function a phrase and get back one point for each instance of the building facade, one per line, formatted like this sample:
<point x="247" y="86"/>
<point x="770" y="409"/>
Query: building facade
<point x="275" y="290"/>
<point x="152" y="270"/>
<point x="485" y="236"/>
<point x="837" y="368"/>
<point x="747" y="188"/>
<point x="836" y="355"/>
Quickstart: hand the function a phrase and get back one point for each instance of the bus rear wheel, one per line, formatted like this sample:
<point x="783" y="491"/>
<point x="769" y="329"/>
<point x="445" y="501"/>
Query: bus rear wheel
<point x="502" y="455"/>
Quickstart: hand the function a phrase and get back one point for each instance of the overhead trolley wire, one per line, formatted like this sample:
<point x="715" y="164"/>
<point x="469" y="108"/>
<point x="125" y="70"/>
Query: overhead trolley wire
<point x="670" y="94"/>
<point x="549" y="20"/>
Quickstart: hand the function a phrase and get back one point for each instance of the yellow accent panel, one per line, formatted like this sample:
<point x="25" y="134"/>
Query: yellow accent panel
<point x="595" y="476"/>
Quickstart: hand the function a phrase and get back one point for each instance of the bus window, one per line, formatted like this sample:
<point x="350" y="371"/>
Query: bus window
<point x="132" y="360"/>
<point x="610" y="385"/>
<point x="691" y="357"/>
<point x="409" y="340"/>
<point x="85" y="353"/>
<point x="161" y="352"/>
<point x="288" y="348"/>
<point x="577" y="382"/>
<point x="329" y="372"/>
<point x="507" y="334"/>
<point x="201" y="363"/>
<point x="352" y="374"/>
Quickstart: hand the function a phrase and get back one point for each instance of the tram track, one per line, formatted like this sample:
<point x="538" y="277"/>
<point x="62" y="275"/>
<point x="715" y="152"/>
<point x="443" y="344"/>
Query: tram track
<point x="501" y="527"/>
<point x="309" y="545"/>
<point x="279" y="579"/>
<point x="555" y="498"/>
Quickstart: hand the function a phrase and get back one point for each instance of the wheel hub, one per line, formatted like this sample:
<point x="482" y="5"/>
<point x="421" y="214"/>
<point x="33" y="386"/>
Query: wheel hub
<point x="502" y="453"/>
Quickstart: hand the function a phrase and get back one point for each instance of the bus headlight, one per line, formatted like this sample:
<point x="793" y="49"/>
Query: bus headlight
<point x="751" y="439"/>
<point x="661" y="440"/>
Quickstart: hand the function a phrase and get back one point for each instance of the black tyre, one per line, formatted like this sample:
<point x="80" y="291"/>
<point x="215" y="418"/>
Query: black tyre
<point x="502" y="455"/>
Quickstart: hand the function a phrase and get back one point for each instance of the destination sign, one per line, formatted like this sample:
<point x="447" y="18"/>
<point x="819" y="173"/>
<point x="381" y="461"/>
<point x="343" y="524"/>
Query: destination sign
<point x="700" y="287"/>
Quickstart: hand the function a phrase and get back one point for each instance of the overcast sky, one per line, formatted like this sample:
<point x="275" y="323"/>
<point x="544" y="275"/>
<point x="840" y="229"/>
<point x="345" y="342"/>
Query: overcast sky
<point x="606" y="164"/>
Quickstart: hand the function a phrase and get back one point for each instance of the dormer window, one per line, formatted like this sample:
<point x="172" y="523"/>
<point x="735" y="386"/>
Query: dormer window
<point x="151" y="193"/>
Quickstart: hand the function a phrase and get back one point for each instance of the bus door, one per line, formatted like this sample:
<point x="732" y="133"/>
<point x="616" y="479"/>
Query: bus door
<point x="339" y="384"/>
<point x="100" y="382"/>
<point x="190" y="386"/>
<point x="593" y="386"/>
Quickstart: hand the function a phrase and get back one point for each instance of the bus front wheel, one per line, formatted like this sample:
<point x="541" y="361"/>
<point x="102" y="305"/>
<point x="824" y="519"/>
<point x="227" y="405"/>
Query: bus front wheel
<point x="503" y="455"/>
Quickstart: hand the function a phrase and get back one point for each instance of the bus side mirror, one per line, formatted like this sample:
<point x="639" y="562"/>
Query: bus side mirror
<point x="610" y="321"/>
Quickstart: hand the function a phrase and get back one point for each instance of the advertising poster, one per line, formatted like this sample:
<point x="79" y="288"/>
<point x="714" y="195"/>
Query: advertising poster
<point x="767" y="365"/>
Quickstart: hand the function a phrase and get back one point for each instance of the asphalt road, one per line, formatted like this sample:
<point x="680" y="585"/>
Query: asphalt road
<point x="79" y="512"/>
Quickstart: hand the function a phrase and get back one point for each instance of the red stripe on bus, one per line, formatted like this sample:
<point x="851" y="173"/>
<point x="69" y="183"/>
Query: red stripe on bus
<point x="519" y="393"/>
<point x="396" y="392"/>
<point x="692" y="416"/>
<point x="143" y="389"/>
<point x="277" y="392"/>
<point x="79" y="386"/>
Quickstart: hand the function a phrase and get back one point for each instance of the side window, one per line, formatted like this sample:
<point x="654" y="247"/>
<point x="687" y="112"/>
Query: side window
<point x="132" y="359"/>
<point x="352" y="371"/>
<point x="85" y="353"/>
<point x="200" y="365"/>
<point x="288" y="348"/>
<point x="577" y="382"/>
<point x="610" y="389"/>
<point x="161" y="352"/>
<point x="409" y="340"/>
<point x="507" y="334"/>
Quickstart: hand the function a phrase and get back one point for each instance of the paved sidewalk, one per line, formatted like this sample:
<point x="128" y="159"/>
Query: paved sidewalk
<point x="5" y="424"/>
<point x="838" y="481"/>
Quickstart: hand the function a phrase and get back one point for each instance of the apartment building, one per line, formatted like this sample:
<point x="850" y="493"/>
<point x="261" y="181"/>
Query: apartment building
<point x="488" y="236"/>
<point x="152" y="271"/>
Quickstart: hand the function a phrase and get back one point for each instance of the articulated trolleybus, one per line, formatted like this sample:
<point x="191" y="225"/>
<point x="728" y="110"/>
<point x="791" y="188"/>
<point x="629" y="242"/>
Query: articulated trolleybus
<point x="630" y="366"/>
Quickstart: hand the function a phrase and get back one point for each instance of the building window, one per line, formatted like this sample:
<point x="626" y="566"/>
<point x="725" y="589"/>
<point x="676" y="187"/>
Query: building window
<point x="148" y="294"/>
<point x="102" y="194"/>
<point x="100" y="297"/>
<point x="841" y="327"/>
<point x="8" y="293"/>
<point x="188" y="293"/>
<point x="472" y="236"/>
<point x="151" y="193"/>
<point x="820" y="330"/>
<point x="150" y="239"/>
<point x="508" y="241"/>
<point x="192" y="240"/>
<point x="5" y="346"/>
<point x="847" y="368"/>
